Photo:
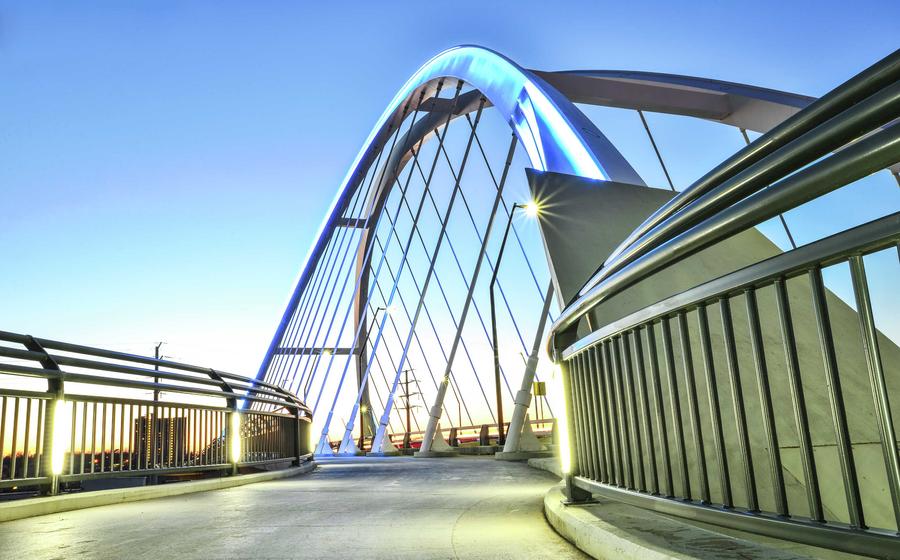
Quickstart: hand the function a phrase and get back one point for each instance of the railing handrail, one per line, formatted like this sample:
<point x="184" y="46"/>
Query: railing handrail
<point x="867" y="237"/>
<point x="237" y="387"/>
<point x="134" y="435"/>
<point x="876" y="77"/>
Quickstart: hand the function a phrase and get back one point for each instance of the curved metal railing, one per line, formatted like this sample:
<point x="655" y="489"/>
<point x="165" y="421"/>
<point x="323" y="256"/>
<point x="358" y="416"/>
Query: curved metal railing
<point x="758" y="400"/>
<point x="111" y="414"/>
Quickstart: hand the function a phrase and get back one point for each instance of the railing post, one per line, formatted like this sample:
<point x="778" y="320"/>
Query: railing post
<point x="55" y="388"/>
<point x="298" y="438"/>
<point x="232" y="435"/>
<point x="573" y="494"/>
<point x="56" y="391"/>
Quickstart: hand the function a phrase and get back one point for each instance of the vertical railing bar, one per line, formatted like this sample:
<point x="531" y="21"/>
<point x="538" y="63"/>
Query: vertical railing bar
<point x="74" y="418"/>
<point x="836" y="399"/>
<point x="103" y="439"/>
<point x="586" y="418"/>
<point x="121" y="437"/>
<point x="132" y="453"/>
<point x="93" y="435"/>
<point x="643" y="398"/>
<point x="675" y="404"/>
<point x="880" y="392"/>
<point x="627" y="372"/>
<point x="658" y="408"/>
<point x="83" y="435"/>
<point x="687" y="359"/>
<point x="765" y="401"/>
<point x="715" y="408"/>
<point x="15" y="437"/>
<point x="39" y="445"/>
<point x="603" y="426"/>
<point x="575" y="384"/>
<point x="737" y="397"/>
<point x="3" y="410"/>
<point x="613" y="416"/>
<point x="591" y="398"/>
<point x="622" y="403"/>
<point x="185" y="437"/>
<point x="26" y="446"/>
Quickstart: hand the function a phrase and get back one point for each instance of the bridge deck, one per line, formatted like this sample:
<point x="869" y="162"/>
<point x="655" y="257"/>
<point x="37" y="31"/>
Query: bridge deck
<point x="369" y="508"/>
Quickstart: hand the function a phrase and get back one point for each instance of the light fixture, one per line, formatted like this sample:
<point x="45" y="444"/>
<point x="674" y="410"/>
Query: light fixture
<point x="562" y="424"/>
<point x="61" y="424"/>
<point x="532" y="208"/>
<point x="326" y="352"/>
<point x="235" y="437"/>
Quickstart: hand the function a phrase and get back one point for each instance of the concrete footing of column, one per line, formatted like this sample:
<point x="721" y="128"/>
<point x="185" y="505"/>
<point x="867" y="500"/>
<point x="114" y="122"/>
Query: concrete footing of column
<point x="433" y="454"/>
<point x="478" y="449"/>
<point x="383" y="454"/>
<point x="522" y="455"/>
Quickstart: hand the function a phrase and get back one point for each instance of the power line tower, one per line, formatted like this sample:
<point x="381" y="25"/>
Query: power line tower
<point x="408" y="408"/>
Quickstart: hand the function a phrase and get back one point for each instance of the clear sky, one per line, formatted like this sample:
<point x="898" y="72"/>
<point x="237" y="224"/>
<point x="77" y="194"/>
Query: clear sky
<point x="165" y="165"/>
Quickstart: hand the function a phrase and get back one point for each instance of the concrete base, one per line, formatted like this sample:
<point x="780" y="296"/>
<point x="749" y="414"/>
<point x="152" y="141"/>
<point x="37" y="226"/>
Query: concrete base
<point x="521" y="455"/>
<point x="384" y="454"/>
<point x="478" y="449"/>
<point x="434" y="454"/>
<point x="31" y="507"/>
<point x="549" y="464"/>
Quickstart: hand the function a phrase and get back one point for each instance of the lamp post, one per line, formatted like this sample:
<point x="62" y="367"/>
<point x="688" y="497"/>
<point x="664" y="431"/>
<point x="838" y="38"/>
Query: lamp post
<point x="531" y="209"/>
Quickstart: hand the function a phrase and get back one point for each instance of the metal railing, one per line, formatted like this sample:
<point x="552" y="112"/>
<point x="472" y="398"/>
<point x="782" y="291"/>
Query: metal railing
<point x="108" y="414"/>
<point x="759" y="400"/>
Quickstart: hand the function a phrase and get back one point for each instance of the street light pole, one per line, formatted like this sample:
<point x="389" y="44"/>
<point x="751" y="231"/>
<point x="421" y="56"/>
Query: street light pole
<point x="156" y="368"/>
<point x="532" y="209"/>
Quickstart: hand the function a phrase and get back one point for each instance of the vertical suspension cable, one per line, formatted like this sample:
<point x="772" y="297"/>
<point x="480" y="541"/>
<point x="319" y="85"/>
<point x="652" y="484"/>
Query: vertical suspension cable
<point x="656" y="149"/>
<point x="454" y="383"/>
<point x="380" y="433"/>
<point x="378" y="269"/>
<point x="309" y="381"/>
<point x="435" y="412"/>
<point x="381" y="369"/>
<point x="491" y="266"/>
<point x="289" y="372"/>
<point x="347" y="252"/>
<point x="787" y="230"/>
<point x="537" y="284"/>
<point x="431" y="323"/>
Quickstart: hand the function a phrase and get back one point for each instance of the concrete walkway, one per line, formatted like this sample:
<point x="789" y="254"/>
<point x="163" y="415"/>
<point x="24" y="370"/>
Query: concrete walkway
<point x="368" y="508"/>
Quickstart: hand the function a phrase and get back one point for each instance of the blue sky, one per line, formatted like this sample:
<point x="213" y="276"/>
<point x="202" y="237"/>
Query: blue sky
<point x="165" y="165"/>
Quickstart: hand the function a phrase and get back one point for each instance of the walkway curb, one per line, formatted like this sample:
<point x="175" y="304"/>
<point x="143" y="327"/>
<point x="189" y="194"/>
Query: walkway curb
<point x="31" y="507"/>
<point x="610" y="529"/>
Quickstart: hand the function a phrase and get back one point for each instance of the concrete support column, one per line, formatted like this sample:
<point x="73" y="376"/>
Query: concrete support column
<point x="523" y="397"/>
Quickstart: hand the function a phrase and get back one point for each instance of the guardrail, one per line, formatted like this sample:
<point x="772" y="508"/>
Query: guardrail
<point x="109" y="414"/>
<point x="711" y="404"/>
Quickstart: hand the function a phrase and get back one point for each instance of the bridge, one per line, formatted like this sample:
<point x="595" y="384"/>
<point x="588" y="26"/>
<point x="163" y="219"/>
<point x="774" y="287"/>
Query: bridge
<point x="496" y="282"/>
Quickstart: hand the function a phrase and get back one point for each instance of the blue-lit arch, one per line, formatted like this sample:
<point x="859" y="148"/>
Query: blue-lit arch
<point x="555" y="135"/>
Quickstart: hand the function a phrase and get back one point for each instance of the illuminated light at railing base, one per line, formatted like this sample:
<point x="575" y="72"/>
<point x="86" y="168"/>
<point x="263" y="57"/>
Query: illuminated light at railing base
<point x="61" y="424"/>
<point x="235" y="437"/>
<point x="562" y="423"/>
